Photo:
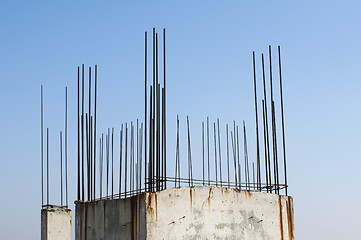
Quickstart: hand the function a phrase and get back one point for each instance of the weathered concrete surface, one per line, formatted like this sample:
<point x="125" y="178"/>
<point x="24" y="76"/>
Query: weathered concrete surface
<point x="188" y="213"/>
<point x="218" y="213"/>
<point x="55" y="224"/>
<point x="111" y="219"/>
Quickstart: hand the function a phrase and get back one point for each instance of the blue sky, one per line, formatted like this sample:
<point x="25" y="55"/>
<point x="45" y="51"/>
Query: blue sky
<point x="209" y="70"/>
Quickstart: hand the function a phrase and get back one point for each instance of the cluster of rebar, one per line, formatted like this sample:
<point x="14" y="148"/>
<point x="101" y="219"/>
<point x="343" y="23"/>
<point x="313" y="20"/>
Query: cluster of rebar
<point x="63" y="168"/>
<point x="143" y="147"/>
<point x="269" y="181"/>
<point x="87" y="136"/>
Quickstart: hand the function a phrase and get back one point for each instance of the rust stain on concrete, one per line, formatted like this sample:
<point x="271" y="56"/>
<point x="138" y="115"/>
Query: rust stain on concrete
<point x="191" y="199"/>
<point x="289" y="205"/>
<point x="226" y="192"/>
<point x="209" y="198"/>
<point x="156" y="206"/>
<point x="248" y="194"/>
<point x="281" y="217"/>
<point x="149" y="207"/>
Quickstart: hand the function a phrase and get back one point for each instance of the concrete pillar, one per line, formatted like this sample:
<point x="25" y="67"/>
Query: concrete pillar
<point x="188" y="213"/>
<point x="55" y="224"/>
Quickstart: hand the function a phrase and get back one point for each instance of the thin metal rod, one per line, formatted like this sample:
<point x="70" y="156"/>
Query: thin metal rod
<point x="239" y="165"/>
<point x="283" y="121"/>
<point x="177" y="164"/>
<point x="246" y="164"/>
<point x="141" y="155"/>
<point x="78" y="92"/>
<point x="89" y="142"/>
<point x="265" y="143"/>
<point x="137" y="155"/>
<point x="95" y="124"/>
<point x="237" y="180"/>
<point x="120" y="158"/>
<point x="209" y="178"/>
<point x="126" y="158"/>
<point x="203" y="149"/>
<point x="66" y="146"/>
<point x="190" y="154"/>
<point x="87" y="149"/>
<point x="131" y="157"/>
<point x="47" y="167"/>
<point x="256" y="113"/>
<point x="82" y="135"/>
<point x="61" y="169"/>
<point x="234" y="158"/>
<point x="215" y="151"/>
<point x="150" y="175"/>
<point x="42" y="145"/>
<point x="112" y="162"/>
<point x="101" y="154"/>
<point x="91" y="157"/>
<point x="274" y="130"/>
<point x="145" y="109"/>
<point x="228" y="157"/>
<point x="107" y="150"/>
<point x="220" y="154"/>
<point x="154" y="110"/>
<point x="165" y="111"/>
<point x="266" y="121"/>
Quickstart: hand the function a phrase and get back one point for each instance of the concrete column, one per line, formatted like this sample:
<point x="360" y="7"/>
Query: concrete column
<point x="55" y="224"/>
<point x="188" y="213"/>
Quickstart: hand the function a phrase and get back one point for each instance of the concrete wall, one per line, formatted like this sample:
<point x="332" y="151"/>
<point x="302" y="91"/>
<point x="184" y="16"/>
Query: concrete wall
<point x="218" y="213"/>
<point x="188" y="213"/>
<point x="55" y="224"/>
<point x="111" y="219"/>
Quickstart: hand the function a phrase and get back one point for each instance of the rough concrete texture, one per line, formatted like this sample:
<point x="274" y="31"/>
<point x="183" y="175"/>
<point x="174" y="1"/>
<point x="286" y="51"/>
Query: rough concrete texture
<point x="218" y="213"/>
<point x="188" y="213"/>
<point x="55" y="224"/>
<point x="111" y="219"/>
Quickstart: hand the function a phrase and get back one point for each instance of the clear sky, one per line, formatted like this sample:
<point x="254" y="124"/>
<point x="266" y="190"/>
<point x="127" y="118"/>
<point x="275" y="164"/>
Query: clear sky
<point x="209" y="50"/>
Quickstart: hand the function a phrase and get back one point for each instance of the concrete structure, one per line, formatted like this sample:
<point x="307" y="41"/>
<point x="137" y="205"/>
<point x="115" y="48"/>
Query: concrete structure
<point x="188" y="213"/>
<point x="55" y="224"/>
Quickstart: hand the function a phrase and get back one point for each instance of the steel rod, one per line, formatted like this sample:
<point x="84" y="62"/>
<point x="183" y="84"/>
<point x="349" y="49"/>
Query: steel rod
<point x="265" y="143"/>
<point x="78" y="113"/>
<point x="47" y="167"/>
<point x="220" y="153"/>
<point x="87" y="149"/>
<point x="61" y="169"/>
<point x="239" y="165"/>
<point x="112" y="162"/>
<point x="82" y="135"/>
<point x="256" y="113"/>
<point x="283" y="121"/>
<point x="203" y="149"/>
<point x="95" y="124"/>
<point x="101" y="154"/>
<point x="66" y="146"/>
<point x="215" y="151"/>
<point x="209" y="178"/>
<point x="165" y="111"/>
<point x="228" y="157"/>
<point x="266" y="122"/>
<point x="145" y="108"/>
<point x="120" y="158"/>
<point x="42" y="144"/>
<point x="126" y="158"/>
<point x="234" y="159"/>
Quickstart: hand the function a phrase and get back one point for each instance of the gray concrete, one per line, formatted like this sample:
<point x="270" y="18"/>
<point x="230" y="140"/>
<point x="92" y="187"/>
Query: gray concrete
<point x="55" y="224"/>
<point x="111" y="219"/>
<point x="188" y="213"/>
